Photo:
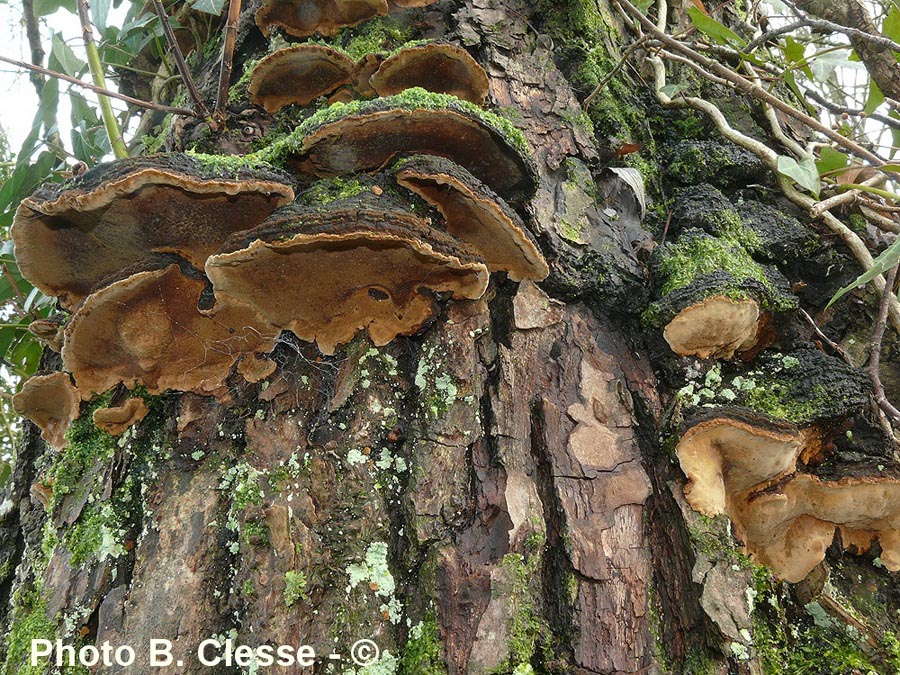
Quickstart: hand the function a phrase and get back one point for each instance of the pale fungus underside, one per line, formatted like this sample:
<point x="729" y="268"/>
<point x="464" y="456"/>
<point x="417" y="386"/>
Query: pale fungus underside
<point x="52" y="403"/>
<point x="115" y="420"/>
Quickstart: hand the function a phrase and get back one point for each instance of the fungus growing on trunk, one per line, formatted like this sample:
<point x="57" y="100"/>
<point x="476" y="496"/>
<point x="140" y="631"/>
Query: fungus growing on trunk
<point x="474" y="214"/>
<point x="789" y="525"/>
<point x="299" y="74"/>
<point x="51" y="402"/>
<point x="144" y="327"/>
<point x="301" y="18"/>
<point x="438" y="67"/>
<point x="753" y="462"/>
<point x="117" y="419"/>
<point x="714" y="299"/>
<point x="364" y="135"/>
<point x="69" y="237"/>
<point x="343" y="270"/>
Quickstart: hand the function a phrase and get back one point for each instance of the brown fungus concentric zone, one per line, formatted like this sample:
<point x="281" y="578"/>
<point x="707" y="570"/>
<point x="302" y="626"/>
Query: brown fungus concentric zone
<point x="51" y="402"/>
<point x="302" y="18"/>
<point x="144" y="328"/>
<point x="341" y="271"/>
<point x="438" y="67"/>
<point x="69" y="237"/>
<point x="299" y="74"/>
<point x="474" y="214"/>
<point x="357" y="138"/>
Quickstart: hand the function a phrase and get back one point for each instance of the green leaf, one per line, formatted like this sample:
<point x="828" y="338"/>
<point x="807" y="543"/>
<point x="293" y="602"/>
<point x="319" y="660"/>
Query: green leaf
<point x="65" y="59"/>
<point x="831" y="160"/>
<point x="99" y="14"/>
<point x="795" y="52"/>
<point x="47" y="7"/>
<point x="888" y="259"/>
<point x="804" y="173"/>
<point x="672" y="90"/>
<point x="209" y="6"/>
<point x="719" y="33"/>
<point x="895" y="133"/>
<point x="890" y="28"/>
<point x="875" y="99"/>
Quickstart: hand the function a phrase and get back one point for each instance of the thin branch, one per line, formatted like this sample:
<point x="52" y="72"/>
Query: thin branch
<point x="33" y="33"/>
<point x="825" y="26"/>
<point x="848" y="197"/>
<point x="840" y="110"/>
<point x="193" y="93"/>
<point x="744" y="86"/>
<point x="93" y="56"/>
<point x="874" y="367"/>
<point x="832" y="345"/>
<point x="99" y="90"/>
<point x="878" y="220"/>
<point x="234" y="12"/>
<point x="602" y="83"/>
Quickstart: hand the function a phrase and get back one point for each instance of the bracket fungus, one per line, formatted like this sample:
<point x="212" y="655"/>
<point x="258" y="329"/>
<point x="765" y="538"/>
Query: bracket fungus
<point x="115" y="420"/>
<point x="714" y="299"/>
<point x="298" y="74"/>
<point x="144" y="327"/>
<point x="364" y="135"/>
<point x="51" y="402"/>
<point x="789" y="525"/>
<point x="754" y="460"/>
<point x="69" y="237"/>
<point x="301" y="18"/>
<point x="474" y="214"/>
<point x="349" y="268"/>
<point x="438" y="67"/>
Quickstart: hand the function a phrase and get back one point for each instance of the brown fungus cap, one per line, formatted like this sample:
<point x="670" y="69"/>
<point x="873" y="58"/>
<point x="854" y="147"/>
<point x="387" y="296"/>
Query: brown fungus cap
<point x="474" y="214"/>
<point x="732" y="452"/>
<point x="790" y="525"/>
<point x="364" y="136"/>
<point x="69" y="237"/>
<point x="51" y="402"/>
<point x="145" y="328"/>
<point x="716" y="327"/>
<point x="327" y="275"/>
<point x="439" y="67"/>
<point x="116" y="420"/>
<point x="301" y="18"/>
<point x="299" y="74"/>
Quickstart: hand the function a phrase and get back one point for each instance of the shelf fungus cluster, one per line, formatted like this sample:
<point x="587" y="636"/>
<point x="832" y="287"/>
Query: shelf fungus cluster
<point x="302" y="73"/>
<point x="179" y="269"/>
<point x="776" y="459"/>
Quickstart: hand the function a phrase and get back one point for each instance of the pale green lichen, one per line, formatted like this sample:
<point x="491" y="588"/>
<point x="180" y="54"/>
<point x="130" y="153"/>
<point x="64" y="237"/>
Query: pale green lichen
<point x="294" y="587"/>
<point x="375" y="571"/>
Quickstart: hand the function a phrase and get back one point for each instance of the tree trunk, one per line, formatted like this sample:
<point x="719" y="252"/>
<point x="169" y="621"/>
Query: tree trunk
<point x="498" y="494"/>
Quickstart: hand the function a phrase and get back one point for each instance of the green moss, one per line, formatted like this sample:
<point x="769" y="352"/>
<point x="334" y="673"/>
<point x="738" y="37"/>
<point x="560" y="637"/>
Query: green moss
<point x="423" y="653"/>
<point x="692" y="257"/>
<point x="775" y="398"/>
<point x="248" y="588"/>
<point x="96" y="535"/>
<point x="330" y="190"/>
<point x="29" y="622"/>
<point x="415" y="98"/>
<point x="379" y="35"/>
<point x="238" y="90"/>
<point x="226" y="165"/>
<point x="294" y="587"/>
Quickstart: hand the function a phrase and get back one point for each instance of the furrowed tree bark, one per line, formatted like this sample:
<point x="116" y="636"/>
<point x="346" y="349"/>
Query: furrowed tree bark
<point x="498" y="494"/>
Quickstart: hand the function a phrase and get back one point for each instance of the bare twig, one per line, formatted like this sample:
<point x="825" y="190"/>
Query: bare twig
<point x="234" y="12"/>
<point x="878" y="220"/>
<point x="832" y="345"/>
<point x="847" y="197"/>
<point x="827" y="26"/>
<point x="873" y="369"/>
<point x="99" y="90"/>
<point x="745" y="86"/>
<point x="602" y="83"/>
<point x="840" y="110"/>
<point x="200" y="107"/>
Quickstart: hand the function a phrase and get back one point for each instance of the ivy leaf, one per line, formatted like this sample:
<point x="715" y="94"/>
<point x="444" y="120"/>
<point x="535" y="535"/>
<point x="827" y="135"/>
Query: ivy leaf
<point x="795" y="52"/>
<point x="804" y="173"/>
<point x="888" y="259"/>
<point x="672" y="90"/>
<point x="47" y="7"/>
<point x="718" y="32"/>
<point x="895" y="133"/>
<point x="209" y="6"/>
<point x="875" y="99"/>
<point x="831" y="160"/>
<point x="99" y="13"/>
<point x="890" y="28"/>
<point x="65" y="59"/>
